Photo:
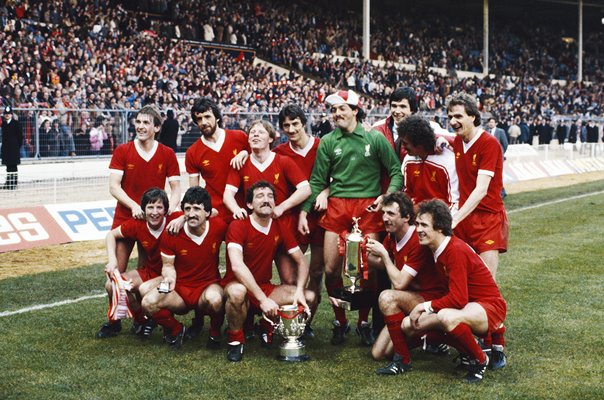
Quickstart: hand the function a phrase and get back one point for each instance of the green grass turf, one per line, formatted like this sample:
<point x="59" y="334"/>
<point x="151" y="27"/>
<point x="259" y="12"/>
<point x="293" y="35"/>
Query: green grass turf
<point x="552" y="279"/>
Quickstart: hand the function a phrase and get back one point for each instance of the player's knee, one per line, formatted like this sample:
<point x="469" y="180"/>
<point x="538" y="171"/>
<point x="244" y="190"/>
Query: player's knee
<point x="387" y="299"/>
<point x="215" y="300"/>
<point x="311" y="297"/>
<point x="150" y="303"/>
<point x="447" y="319"/>
<point x="235" y="293"/>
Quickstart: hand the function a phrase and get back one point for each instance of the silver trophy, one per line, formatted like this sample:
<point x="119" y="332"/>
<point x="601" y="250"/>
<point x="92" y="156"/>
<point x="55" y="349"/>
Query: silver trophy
<point x="292" y="321"/>
<point x="354" y="271"/>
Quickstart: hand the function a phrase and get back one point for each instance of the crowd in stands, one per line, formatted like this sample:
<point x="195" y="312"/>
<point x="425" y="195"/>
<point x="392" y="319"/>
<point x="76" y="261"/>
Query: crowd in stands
<point x="119" y="55"/>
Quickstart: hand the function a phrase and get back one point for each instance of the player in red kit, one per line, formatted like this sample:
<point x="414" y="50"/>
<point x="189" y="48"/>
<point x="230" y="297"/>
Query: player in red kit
<point x="291" y="186"/>
<point x="135" y="167"/>
<point x="481" y="220"/>
<point x="428" y="175"/>
<point x="217" y="150"/>
<point x="473" y="304"/>
<point x="302" y="149"/>
<point x="147" y="232"/>
<point x="190" y="271"/>
<point x="410" y="268"/>
<point x="251" y="245"/>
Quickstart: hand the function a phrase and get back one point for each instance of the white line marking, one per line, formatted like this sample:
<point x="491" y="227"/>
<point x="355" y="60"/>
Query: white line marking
<point x="549" y="203"/>
<point x="97" y="296"/>
<point x="51" y="305"/>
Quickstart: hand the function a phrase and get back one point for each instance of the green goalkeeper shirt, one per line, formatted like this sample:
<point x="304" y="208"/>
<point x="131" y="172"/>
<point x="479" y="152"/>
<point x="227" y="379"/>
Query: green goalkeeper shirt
<point x="353" y="162"/>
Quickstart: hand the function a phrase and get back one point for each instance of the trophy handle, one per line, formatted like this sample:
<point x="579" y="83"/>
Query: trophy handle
<point x="268" y="319"/>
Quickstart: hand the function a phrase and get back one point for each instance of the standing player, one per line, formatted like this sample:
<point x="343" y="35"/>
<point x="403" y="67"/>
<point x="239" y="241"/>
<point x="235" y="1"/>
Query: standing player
<point x="349" y="161"/>
<point x="190" y="270"/>
<point x="135" y="167"/>
<point x="146" y="233"/>
<point x="481" y="220"/>
<point x="302" y="149"/>
<point x="428" y="175"/>
<point x="291" y="186"/>
<point x="473" y="305"/>
<point x="252" y="244"/>
<point x="210" y="157"/>
<point x="410" y="268"/>
<point x="403" y="103"/>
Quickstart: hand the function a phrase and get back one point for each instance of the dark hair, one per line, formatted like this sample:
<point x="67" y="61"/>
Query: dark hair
<point x="197" y="195"/>
<point x="418" y="132"/>
<point x="405" y="204"/>
<point x="170" y="114"/>
<point x="361" y="114"/>
<point x="441" y="215"/>
<point x="468" y="102"/>
<point x="152" y="111"/>
<point x="154" y="194"/>
<point x="291" y="111"/>
<point x="203" y="104"/>
<point x="402" y="93"/>
<point x="249" y="195"/>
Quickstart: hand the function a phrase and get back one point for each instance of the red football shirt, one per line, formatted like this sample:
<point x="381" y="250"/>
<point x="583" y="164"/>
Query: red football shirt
<point x="141" y="171"/>
<point x="432" y="178"/>
<point x="259" y="245"/>
<point x="468" y="277"/>
<point x="482" y="155"/>
<point x="196" y="257"/>
<point x="304" y="158"/>
<point x="212" y="162"/>
<point x="416" y="260"/>
<point x="282" y="172"/>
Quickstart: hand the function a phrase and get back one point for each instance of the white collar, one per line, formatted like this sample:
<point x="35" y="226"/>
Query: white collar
<point x="157" y="233"/>
<point x="262" y="229"/>
<point x="466" y="146"/>
<point x="303" y="152"/>
<point x="141" y="152"/>
<point x="220" y="138"/>
<point x="197" y="239"/>
<point x="264" y="165"/>
<point x="401" y="243"/>
<point x="441" y="248"/>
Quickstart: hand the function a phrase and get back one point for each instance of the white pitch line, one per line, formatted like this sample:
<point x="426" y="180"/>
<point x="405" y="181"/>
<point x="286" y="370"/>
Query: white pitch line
<point x="96" y="296"/>
<point x="549" y="203"/>
<point x="51" y="305"/>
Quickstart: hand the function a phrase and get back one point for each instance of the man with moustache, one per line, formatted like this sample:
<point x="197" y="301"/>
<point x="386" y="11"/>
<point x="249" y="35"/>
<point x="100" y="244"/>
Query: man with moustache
<point x="190" y="271"/>
<point x="349" y="161"/>
<point x="252" y="244"/>
<point x="208" y="161"/>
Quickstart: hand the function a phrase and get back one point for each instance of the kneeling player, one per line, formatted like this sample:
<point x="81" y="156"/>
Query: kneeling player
<point x="147" y="234"/>
<point x="473" y="305"/>
<point x="251" y="245"/>
<point x="190" y="271"/>
<point x="410" y="268"/>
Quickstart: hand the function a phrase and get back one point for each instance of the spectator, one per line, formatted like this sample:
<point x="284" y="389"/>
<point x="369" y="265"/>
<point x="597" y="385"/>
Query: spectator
<point x="169" y="130"/>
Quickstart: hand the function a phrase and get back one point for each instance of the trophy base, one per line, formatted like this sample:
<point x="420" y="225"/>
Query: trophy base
<point x="293" y="352"/>
<point x="300" y="358"/>
<point x="353" y="300"/>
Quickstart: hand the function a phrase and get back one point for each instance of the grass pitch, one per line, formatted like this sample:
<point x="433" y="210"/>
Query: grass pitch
<point x="552" y="279"/>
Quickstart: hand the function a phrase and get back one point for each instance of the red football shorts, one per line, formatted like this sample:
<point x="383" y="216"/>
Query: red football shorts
<point x="340" y="212"/>
<point x="496" y="310"/>
<point x="147" y="273"/>
<point x="267" y="289"/>
<point x="190" y="292"/>
<point x="484" y="231"/>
